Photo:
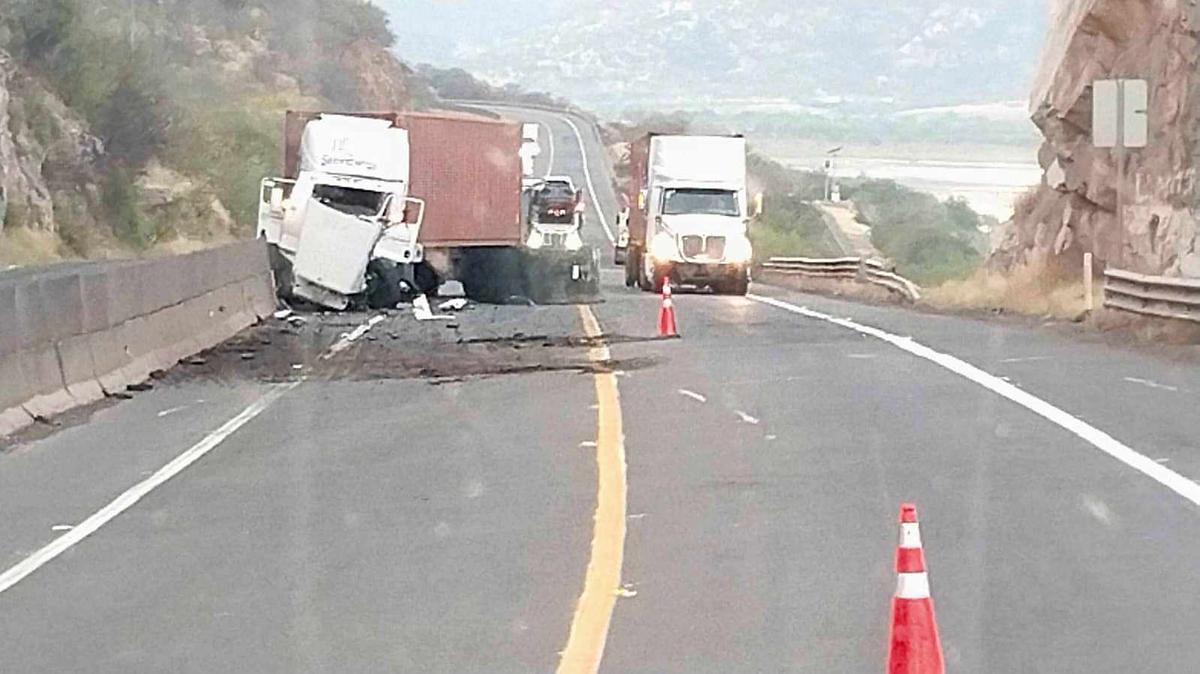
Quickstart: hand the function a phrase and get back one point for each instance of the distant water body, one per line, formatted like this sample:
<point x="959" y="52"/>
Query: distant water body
<point x="990" y="187"/>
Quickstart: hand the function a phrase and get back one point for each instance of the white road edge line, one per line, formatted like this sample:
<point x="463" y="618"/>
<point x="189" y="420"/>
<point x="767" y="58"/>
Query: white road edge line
<point x="587" y="174"/>
<point x="345" y="342"/>
<point x="550" y="139"/>
<point x="1168" y="478"/>
<point x="693" y="395"/>
<point x="135" y="493"/>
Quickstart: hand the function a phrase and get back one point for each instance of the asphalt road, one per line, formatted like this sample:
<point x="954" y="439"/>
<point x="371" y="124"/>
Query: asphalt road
<point x="439" y="523"/>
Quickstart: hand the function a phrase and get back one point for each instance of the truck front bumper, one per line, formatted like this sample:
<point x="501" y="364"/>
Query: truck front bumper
<point x="701" y="274"/>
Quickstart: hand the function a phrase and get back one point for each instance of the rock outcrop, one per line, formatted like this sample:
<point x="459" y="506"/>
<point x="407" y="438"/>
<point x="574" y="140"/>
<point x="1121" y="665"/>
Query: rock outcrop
<point x="47" y="158"/>
<point x="1075" y="209"/>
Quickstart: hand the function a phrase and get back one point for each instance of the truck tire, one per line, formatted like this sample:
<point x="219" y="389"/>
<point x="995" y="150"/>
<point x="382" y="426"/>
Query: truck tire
<point x="425" y="278"/>
<point x="632" y="262"/>
<point x="281" y="270"/>
<point x="383" y="284"/>
<point x="646" y="280"/>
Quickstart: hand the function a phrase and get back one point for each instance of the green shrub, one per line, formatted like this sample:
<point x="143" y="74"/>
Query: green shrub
<point x="789" y="227"/>
<point x="119" y="196"/>
<point x="930" y="241"/>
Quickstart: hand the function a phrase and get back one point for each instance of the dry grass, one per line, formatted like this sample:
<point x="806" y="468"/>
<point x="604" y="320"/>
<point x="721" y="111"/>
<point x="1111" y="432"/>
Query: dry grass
<point x="20" y="246"/>
<point x="1032" y="290"/>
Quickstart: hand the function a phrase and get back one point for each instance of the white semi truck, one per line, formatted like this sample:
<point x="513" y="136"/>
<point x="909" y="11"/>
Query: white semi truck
<point x="337" y="231"/>
<point x="689" y="213"/>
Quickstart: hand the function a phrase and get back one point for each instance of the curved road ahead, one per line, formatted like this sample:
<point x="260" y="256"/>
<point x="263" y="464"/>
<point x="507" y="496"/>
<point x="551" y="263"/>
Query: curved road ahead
<point x="721" y="503"/>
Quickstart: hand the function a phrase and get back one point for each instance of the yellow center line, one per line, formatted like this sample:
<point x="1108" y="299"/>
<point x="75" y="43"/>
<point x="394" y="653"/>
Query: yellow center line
<point x="593" y="613"/>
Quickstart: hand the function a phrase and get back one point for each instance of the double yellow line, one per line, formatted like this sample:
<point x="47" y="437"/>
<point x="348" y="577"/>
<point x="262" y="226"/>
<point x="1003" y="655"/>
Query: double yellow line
<point x="593" y="613"/>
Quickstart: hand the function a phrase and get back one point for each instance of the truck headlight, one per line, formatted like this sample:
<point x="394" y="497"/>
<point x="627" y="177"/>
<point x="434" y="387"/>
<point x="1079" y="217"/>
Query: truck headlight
<point x="739" y="250"/>
<point x="574" y="241"/>
<point x="663" y="246"/>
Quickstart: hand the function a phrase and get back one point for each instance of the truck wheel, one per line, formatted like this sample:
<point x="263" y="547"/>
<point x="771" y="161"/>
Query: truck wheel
<point x="425" y="278"/>
<point x="281" y="269"/>
<point x="646" y="280"/>
<point x="383" y="284"/>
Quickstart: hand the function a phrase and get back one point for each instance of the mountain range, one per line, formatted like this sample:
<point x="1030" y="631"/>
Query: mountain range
<point x="735" y="54"/>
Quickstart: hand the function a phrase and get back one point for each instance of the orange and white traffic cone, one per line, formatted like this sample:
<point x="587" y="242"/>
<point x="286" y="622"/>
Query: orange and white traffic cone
<point x="666" y="313"/>
<point x="913" y="647"/>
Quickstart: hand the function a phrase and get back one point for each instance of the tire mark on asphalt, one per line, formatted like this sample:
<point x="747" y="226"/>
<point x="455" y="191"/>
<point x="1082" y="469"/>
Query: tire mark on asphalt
<point x="602" y="582"/>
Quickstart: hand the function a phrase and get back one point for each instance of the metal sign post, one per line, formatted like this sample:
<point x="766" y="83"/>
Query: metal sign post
<point x="1120" y="121"/>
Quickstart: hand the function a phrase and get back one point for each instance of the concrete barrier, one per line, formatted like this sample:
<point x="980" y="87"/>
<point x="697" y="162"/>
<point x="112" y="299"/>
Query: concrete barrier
<point x="71" y="334"/>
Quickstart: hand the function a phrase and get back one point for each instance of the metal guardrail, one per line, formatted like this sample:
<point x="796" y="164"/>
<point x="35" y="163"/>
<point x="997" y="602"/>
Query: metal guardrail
<point x="1159" y="296"/>
<point x="849" y="268"/>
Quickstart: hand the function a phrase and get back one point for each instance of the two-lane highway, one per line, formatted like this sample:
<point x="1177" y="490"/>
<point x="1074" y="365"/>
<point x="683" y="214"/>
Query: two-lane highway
<point x="721" y="503"/>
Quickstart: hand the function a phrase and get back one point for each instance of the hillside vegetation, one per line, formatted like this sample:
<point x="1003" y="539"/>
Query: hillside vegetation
<point x="184" y="99"/>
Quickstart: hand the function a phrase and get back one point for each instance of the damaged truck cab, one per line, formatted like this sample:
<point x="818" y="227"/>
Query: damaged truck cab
<point x="344" y="227"/>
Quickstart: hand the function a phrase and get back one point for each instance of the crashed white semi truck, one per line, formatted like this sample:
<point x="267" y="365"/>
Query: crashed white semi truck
<point x="373" y="206"/>
<point x="689" y="213"/>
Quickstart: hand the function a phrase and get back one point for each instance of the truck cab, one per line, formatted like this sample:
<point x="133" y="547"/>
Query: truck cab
<point x="554" y="214"/>
<point x="691" y="218"/>
<point x="345" y="222"/>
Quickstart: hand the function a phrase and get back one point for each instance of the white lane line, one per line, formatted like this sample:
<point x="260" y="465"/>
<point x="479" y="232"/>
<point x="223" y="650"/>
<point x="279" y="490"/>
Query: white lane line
<point x="1027" y="359"/>
<point x="348" y="339"/>
<point x="746" y="418"/>
<point x="550" y="142"/>
<point x="135" y="493"/>
<point x="170" y="411"/>
<point x="587" y="174"/>
<point x="1168" y="478"/>
<point x="693" y="395"/>
<point x="1151" y="384"/>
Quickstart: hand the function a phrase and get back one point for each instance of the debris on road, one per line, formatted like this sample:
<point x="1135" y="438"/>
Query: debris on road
<point x="451" y="289"/>
<point x="282" y="314"/>
<point x="196" y="360"/>
<point x="457" y="304"/>
<point x="140" y="388"/>
<point x="626" y="592"/>
<point x="423" y="312"/>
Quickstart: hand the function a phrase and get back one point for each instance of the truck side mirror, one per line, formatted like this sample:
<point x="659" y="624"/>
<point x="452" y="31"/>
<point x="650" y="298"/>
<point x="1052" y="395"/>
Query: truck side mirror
<point x="758" y="205"/>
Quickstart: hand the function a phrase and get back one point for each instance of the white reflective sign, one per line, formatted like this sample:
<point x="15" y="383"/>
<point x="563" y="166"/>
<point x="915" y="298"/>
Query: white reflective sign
<point x="1120" y="113"/>
<point x="1104" y="113"/>
<point x="1135" y="117"/>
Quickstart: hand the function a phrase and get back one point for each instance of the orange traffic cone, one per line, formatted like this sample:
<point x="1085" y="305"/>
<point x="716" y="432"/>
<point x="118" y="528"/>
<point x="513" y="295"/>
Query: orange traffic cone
<point x="914" y="647"/>
<point x="666" y="313"/>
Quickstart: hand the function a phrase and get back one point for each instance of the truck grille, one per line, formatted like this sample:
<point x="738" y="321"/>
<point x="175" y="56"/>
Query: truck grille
<point x="712" y="247"/>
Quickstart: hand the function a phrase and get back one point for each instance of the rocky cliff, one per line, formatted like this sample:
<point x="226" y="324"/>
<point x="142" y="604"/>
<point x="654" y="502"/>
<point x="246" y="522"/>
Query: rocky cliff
<point x="126" y="126"/>
<point x="48" y="160"/>
<point x="1075" y="209"/>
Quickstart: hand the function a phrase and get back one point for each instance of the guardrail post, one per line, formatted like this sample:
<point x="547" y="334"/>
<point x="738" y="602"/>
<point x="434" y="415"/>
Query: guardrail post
<point x="862" y="269"/>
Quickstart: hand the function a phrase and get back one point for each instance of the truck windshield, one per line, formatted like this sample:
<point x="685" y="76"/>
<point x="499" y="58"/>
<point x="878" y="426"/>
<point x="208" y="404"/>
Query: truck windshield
<point x="349" y="200"/>
<point x="557" y="192"/>
<point x="700" y="202"/>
